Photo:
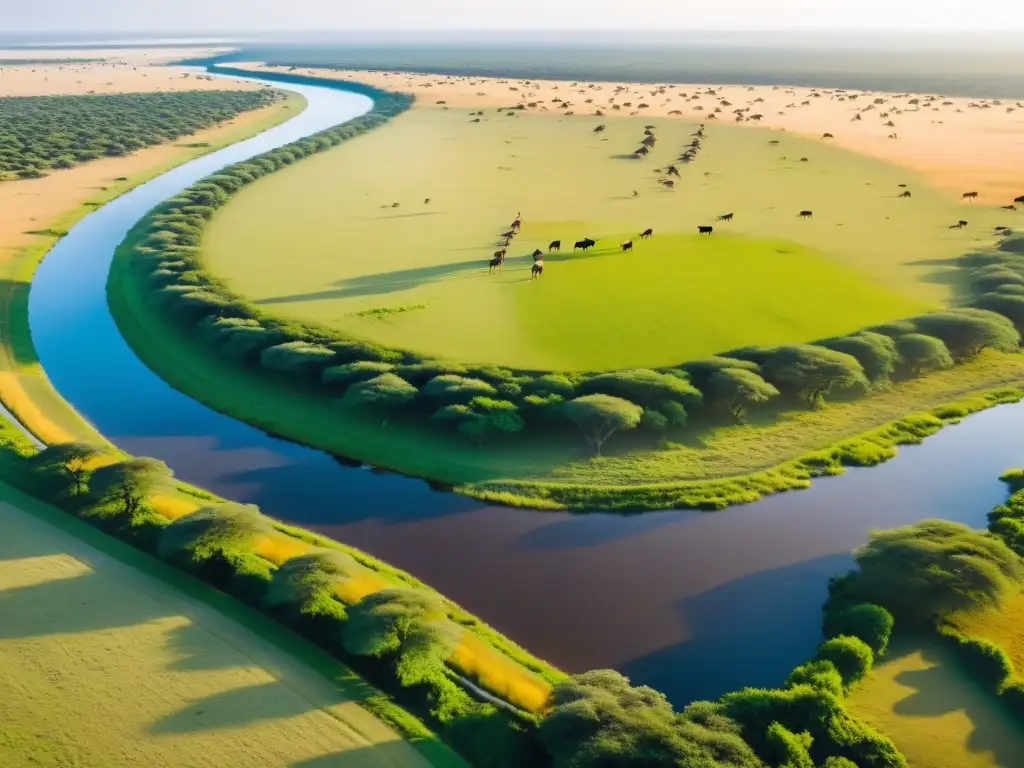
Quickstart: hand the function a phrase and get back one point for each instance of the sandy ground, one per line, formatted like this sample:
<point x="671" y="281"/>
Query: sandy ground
<point x="108" y="665"/>
<point x="33" y="204"/>
<point x="959" y="144"/>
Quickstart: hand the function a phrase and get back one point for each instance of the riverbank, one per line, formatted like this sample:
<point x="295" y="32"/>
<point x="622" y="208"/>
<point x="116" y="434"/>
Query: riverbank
<point x="36" y="213"/>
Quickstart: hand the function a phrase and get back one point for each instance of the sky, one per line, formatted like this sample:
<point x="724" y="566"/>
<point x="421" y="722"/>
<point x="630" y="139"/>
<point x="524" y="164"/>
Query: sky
<point x="282" y="16"/>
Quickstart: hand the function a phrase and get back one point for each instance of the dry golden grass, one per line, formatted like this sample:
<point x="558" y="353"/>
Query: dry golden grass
<point x="479" y="662"/>
<point x="171" y="507"/>
<point x="1005" y="628"/>
<point x="277" y="547"/>
<point x="935" y="713"/>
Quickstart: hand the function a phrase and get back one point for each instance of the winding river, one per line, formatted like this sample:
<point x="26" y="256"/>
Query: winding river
<point x="691" y="603"/>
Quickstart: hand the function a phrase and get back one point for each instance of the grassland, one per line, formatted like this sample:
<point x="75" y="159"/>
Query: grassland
<point x="112" y="659"/>
<point x="1004" y="627"/>
<point x="24" y="388"/>
<point x="317" y="240"/>
<point x="935" y="713"/>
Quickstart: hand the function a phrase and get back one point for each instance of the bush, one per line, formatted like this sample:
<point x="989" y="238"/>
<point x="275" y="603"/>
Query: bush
<point x="820" y="674"/>
<point x="598" y="417"/>
<point x="850" y="655"/>
<point x="810" y="372"/>
<point x="966" y="332"/>
<point x="736" y="389"/>
<point x="868" y="622"/>
<point x="449" y="388"/>
<point x="922" y="354"/>
<point x="643" y="387"/>
<point x="985" y="660"/>
<point x="209" y="530"/>
<point x="306" y="583"/>
<point x="342" y="375"/>
<point x="875" y="352"/>
<point x="386" y="392"/>
<point x="296" y="357"/>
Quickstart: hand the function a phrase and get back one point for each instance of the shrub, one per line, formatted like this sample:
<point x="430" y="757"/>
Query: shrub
<point x="736" y="389"/>
<point x="385" y="393"/>
<point x="296" y="357"/>
<point x="875" y="352"/>
<point x="127" y="483"/>
<point x="966" y="332"/>
<point x="449" y="388"/>
<point x="820" y="674"/>
<point x="1008" y="305"/>
<point x="343" y="375"/>
<point x="598" y="417"/>
<point x="985" y="660"/>
<point x="306" y="583"/>
<point x="643" y="387"/>
<point x="921" y="353"/>
<point x="483" y="416"/>
<point x="787" y="749"/>
<point x="866" y="621"/>
<point x="70" y="461"/>
<point x="928" y="570"/>
<point x="850" y="655"/>
<point x="811" y="372"/>
<point x="209" y="530"/>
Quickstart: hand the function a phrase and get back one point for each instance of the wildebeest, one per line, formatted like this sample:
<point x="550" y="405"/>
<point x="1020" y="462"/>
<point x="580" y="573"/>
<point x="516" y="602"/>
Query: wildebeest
<point x="970" y="196"/>
<point x="426" y="201"/>
<point x="646" y="234"/>
<point x="555" y="245"/>
<point x="1019" y="199"/>
<point x="537" y="270"/>
<point x="627" y="246"/>
<point x="959" y="225"/>
<point x="725" y="217"/>
<point x="517" y="225"/>
<point x="599" y="129"/>
<point x="705" y="230"/>
<point x="827" y="136"/>
<point x="1009" y="208"/>
<point x="495" y="263"/>
<point x="806" y="214"/>
<point x="538" y="255"/>
<point x="666" y="183"/>
<point x="906" y="194"/>
<point x="584" y="244"/>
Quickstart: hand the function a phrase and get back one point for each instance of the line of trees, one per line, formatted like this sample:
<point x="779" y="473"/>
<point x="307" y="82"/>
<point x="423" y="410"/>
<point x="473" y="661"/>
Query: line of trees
<point x="43" y="133"/>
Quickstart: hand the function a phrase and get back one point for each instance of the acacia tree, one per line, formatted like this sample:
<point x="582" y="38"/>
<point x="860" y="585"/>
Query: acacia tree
<point x="812" y="372"/>
<point x="386" y="393"/>
<point x="128" y="482"/>
<point x="967" y="331"/>
<point x="598" y="417"/>
<point x="70" y="459"/>
<point x="921" y="353"/>
<point x="875" y="352"/>
<point x="737" y="389"/>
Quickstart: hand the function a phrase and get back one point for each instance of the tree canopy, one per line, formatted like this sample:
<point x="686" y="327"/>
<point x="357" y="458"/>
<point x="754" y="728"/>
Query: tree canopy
<point x="737" y="389"/>
<point x="128" y="482"/>
<point x="929" y="570"/>
<point x="598" y="417"/>
<point x="921" y="353"/>
<point x="875" y="352"/>
<point x="71" y="460"/>
<point x="967" y="331"/>
<point x="214" y="529"/>
<point x="811" y="372"/>
<point x="307" y="582"/>
<point x="642" y="386"/>
<point x="383" y="392"/>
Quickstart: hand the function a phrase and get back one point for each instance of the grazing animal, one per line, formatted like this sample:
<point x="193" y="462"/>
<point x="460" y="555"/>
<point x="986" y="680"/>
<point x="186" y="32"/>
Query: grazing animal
<point x="599" y="129"/>
<point x="970" y="196"/>
<point x="1019" y="199"/>
<point x="646" y="234"/>
<point x="627" y="246"/>
<point x="500" y="254"/>
<point x="510" y="234"/>
<point x="959" y="225"/>
<point x="705" y="230"/>
<point x="806" y="214"/>
<point x="1009" y="207"/>
<point x="725" y="217"/>
<point x="827" y="136"/>
<point x="395" y="205"/>
<point x="516" y="225"/>
<point x="555" y="245"/>
<point x="494" y="264"/>
<point x="584" y="244"/>
<point x="537" y="270"/>
<point x="426" y="201"/>
<point x="667" y="183"/>
<point x="673" y="171"/>
<point x="906" y="194"/>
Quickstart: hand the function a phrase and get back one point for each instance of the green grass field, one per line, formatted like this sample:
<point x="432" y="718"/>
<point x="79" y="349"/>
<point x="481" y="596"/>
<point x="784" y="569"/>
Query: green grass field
<point x="1005" y="628"/>
<point x="935" y="713"/>
<point x="313" y="241"/>
<point x="109" y="664"/>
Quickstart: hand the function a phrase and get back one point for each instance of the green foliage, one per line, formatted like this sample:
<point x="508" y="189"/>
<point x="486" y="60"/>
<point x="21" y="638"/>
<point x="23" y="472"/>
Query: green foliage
<point x="39" y="133"/>
<point x="850" y="655"/>
<point x="214" y="529"/>
<point x="70" y="460"/>
<point x="450" y="388"/>
<point x="811" y="372"/>
<point x="384" y="392"/>
<point x="483" y="416"/>
<point x="644" y="387"/>
<point x="296" y="357"/>
<point x="1009" y="305"/>
<point x="699" y="371"/>
<point x="869" y="622"/>
<point x="598" y="417"/>
<point x="127" y="483"/>
<point x="736" y="389"/>
<point x="875" y="352"/>
<point x="598" y="719"/>
<point x="838" y="762"/>
<point x="787" y="749"/>
<point x="820" y="674"/>
<point x="306" y="583"/>
<point x="966" y="332"/>
<point x="342" y="375"/>
<point x="986" y="660"/>
<point x="921" y="354"/>
<point x="550" y="384"/>
<point x="928" y="570"/>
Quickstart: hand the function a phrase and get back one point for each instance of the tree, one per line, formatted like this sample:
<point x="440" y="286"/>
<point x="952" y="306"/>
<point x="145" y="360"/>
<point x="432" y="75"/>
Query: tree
<point x="386" y="392"/>
<point x="967" y="331"/>
<point x="296" y="357"/>
<point x="924" y="572"/>
<point x="867" y="621"/>
<point x="820" y="674"/>
<point x="812" y="372"/>
<point x="362" y="370"/>
<point x="1006" y="304"/>
<point x="644" y="387"/>
<point x="875" y="352"/>
<point x="72" y="460"/>
<point x="483" y="416"/>
<point x="699" y="371"/>
<point x="788" y="749"/>
<point x="209" y="530"/>
<point x="598" y="417"/>
<point x="128" y="482"/>
<point x="921" y="354"/>
<point x="408" y="624"/>
<point x="307" y="583"/>
<point x="449" y="388"/>
<point x="737" y="389"/>
<point x="850" y="655"/>
<point x="598" y="719"/>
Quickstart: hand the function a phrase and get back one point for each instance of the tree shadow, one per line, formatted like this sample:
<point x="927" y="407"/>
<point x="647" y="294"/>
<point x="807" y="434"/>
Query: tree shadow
<point x="940" y="690"/>
<point x="778" y="629"/>
<point x="385" y="282"/>
<point x="389" y="753"/>
<point x="951" y="272"/>
<point x="404" y="215"/>
<point x="596" y="529"/>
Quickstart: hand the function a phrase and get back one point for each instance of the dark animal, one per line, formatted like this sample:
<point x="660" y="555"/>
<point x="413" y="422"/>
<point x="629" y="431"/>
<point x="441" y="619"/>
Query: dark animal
<point x="901" y="185"/>
<point x="959" y="225"/>
<point x="673" y="171"/>
<point x="827" y="136"/>
<point x="494" y="264"/>
<point x="556" y="245"/>
<point x="646" y="234"/>
<point x="584" y="244"/>
<point x="427" y="201"/>
<point x="538" y="255"/>
<point x="725" y="217"/>
<point x="970" y="196"/>
<point x="599" y="129"/>
<point x="705" y="230"/>
<point x="1009" y="207"/>
<point x="500" y="254"/>
<point x="537" y="270"/>
<point x="1019" y="199"/>
<point x="806" y="214"/>
<point x="906" y="194"/>
<point x="627" y="246"/>
<point x="516" y="225"/>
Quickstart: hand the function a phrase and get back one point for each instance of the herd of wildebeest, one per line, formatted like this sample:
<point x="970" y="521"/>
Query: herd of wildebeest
<point x="687" y="156"/>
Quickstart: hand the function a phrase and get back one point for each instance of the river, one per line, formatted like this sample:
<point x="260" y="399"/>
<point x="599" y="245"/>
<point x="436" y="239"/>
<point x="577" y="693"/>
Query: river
<point x="691" y="603"/>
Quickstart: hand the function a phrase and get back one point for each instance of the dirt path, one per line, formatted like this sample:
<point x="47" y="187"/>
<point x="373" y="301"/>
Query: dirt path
<point x="108" y="665"/>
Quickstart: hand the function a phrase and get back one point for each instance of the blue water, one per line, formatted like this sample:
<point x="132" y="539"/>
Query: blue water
<point x="691" y="603"/>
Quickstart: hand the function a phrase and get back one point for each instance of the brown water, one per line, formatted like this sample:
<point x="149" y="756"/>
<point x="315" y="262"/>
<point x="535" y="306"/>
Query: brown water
<point x="691" y="603"/>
